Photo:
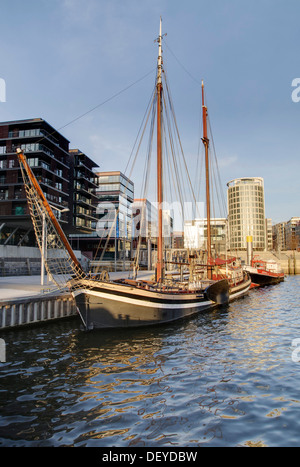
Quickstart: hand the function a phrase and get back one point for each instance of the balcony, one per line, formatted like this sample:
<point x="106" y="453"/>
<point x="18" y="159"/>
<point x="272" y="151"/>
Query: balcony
<point x="35" y="148"/>
<point x="32" y="133"/>
<point x="90" y="180"/>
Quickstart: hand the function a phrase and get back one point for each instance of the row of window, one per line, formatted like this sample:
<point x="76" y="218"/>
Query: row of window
<point x="240" y="245"/>
<point x="115" y="187"/>
<point x="246" y="187"/>
<point x="245" y="198"/>
<point x="36" y="162"/>
<point x="5" y="164"/>
<point x="31" y="133"/>
<point x="105" y="179"/>
<point x="250" y="205"/>
<point x="258" y="214"/>
<point x="243" y="217"/>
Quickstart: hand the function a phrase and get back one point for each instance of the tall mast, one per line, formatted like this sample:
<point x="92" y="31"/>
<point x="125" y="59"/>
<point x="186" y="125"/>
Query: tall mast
<point x="206" y="144"/>
<point x="159" y="159"/>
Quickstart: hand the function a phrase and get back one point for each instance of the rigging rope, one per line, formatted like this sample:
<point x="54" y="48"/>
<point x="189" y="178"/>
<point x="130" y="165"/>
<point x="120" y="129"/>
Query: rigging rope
<point x="101" y="104"/>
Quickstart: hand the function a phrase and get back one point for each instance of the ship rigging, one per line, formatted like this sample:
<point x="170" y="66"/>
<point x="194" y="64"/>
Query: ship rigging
<point x="106" y="303"/>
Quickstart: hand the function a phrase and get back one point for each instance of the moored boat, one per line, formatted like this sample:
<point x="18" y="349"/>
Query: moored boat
<point x="264" y="273"/>
<point x="105" y="303"/>
<point x="128" y="303"/>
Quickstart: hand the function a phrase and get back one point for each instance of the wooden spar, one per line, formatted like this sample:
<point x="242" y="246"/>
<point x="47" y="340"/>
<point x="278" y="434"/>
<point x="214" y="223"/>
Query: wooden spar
<point x="206" y="144"/>
<point x="56" y="224"/>
<point x="159" y="266"/>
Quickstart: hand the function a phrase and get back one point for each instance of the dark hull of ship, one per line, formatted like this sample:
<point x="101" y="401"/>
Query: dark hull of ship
<point x="241" y="289"/>
<point x="265" y="279"/>
<point x="108" y="305"/>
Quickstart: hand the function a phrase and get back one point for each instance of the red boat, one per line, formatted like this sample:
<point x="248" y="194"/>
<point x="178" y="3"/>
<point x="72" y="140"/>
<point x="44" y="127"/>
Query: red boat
<point x="264" y="272"/>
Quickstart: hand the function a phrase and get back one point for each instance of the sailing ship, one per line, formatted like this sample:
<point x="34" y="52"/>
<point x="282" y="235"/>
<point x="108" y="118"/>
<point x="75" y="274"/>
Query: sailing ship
<point x="105" y="303"/>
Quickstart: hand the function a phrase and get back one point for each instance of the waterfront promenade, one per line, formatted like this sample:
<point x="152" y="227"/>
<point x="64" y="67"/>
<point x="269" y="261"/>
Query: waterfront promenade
<point x="23" y="300"/>
<point x="17" y="287"/>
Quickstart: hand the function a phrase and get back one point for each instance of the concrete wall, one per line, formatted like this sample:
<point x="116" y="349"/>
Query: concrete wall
<point x="10" y="251"/>
<point x="36" y="310"/>
<point x="26" y="261"/>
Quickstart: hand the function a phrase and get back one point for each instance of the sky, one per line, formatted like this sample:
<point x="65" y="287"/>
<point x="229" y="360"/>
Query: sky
<point x="95" y="59"/>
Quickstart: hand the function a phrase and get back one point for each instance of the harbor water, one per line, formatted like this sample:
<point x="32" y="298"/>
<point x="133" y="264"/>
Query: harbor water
<point x="228" y="377"/>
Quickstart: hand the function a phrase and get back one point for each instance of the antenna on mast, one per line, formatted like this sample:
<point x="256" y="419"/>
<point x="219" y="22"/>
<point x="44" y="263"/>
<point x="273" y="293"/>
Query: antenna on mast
<point x="160" y="261"/>
<point x="159" y="59"/>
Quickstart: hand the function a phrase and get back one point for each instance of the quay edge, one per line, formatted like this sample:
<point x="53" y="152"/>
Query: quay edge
<point x="36" y="309"/>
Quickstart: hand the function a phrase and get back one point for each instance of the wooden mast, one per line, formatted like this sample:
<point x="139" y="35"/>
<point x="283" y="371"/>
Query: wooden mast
<point x="56" y="224"/>
<point x="159" y="266"/>
<point x="206" y="144"/>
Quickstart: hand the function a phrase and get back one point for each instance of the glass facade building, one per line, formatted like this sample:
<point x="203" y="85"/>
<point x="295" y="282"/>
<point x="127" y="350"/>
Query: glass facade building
<point x="195" y="234"/>
<point x="246" y="213"/>
<point x="114" y="212"/>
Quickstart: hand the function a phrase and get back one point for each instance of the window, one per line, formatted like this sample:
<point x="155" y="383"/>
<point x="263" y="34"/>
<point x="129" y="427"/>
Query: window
<point x="33" y="161"/>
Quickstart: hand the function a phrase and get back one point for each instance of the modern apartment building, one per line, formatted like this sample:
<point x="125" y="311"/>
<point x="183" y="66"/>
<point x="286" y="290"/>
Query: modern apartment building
<point x="269" y="235"/>
<point x="115" y="194"/>
<point x="195" y="234"/>
<point x="56" y="169"/>
<point x="145" y="222"/>
<point x="297" y="234"/>
<point x="291" y="229"/>
<point x="178" y="240"/>
<point x="278" y="233"/>
<point x="246" y="213"/>
<point x="144" y="216"/>
<point x="85" y="199"/>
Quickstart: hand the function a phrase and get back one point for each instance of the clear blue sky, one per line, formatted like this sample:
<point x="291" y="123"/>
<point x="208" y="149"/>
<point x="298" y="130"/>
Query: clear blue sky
<point x="60" y="58"/>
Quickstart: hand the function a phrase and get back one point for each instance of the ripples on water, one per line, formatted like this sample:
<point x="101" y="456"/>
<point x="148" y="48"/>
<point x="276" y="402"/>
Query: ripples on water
<point x="224" y="378"/>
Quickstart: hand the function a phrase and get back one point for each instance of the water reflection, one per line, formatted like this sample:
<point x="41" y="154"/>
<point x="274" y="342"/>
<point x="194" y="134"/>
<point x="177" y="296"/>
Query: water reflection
<point x="223" y="378"/>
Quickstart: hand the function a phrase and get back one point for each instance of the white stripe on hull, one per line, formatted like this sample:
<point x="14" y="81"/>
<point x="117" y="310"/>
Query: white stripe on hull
<point x="242" y="290"/>
<point x="143" y="303"/>
<point x="101" y="309"/>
